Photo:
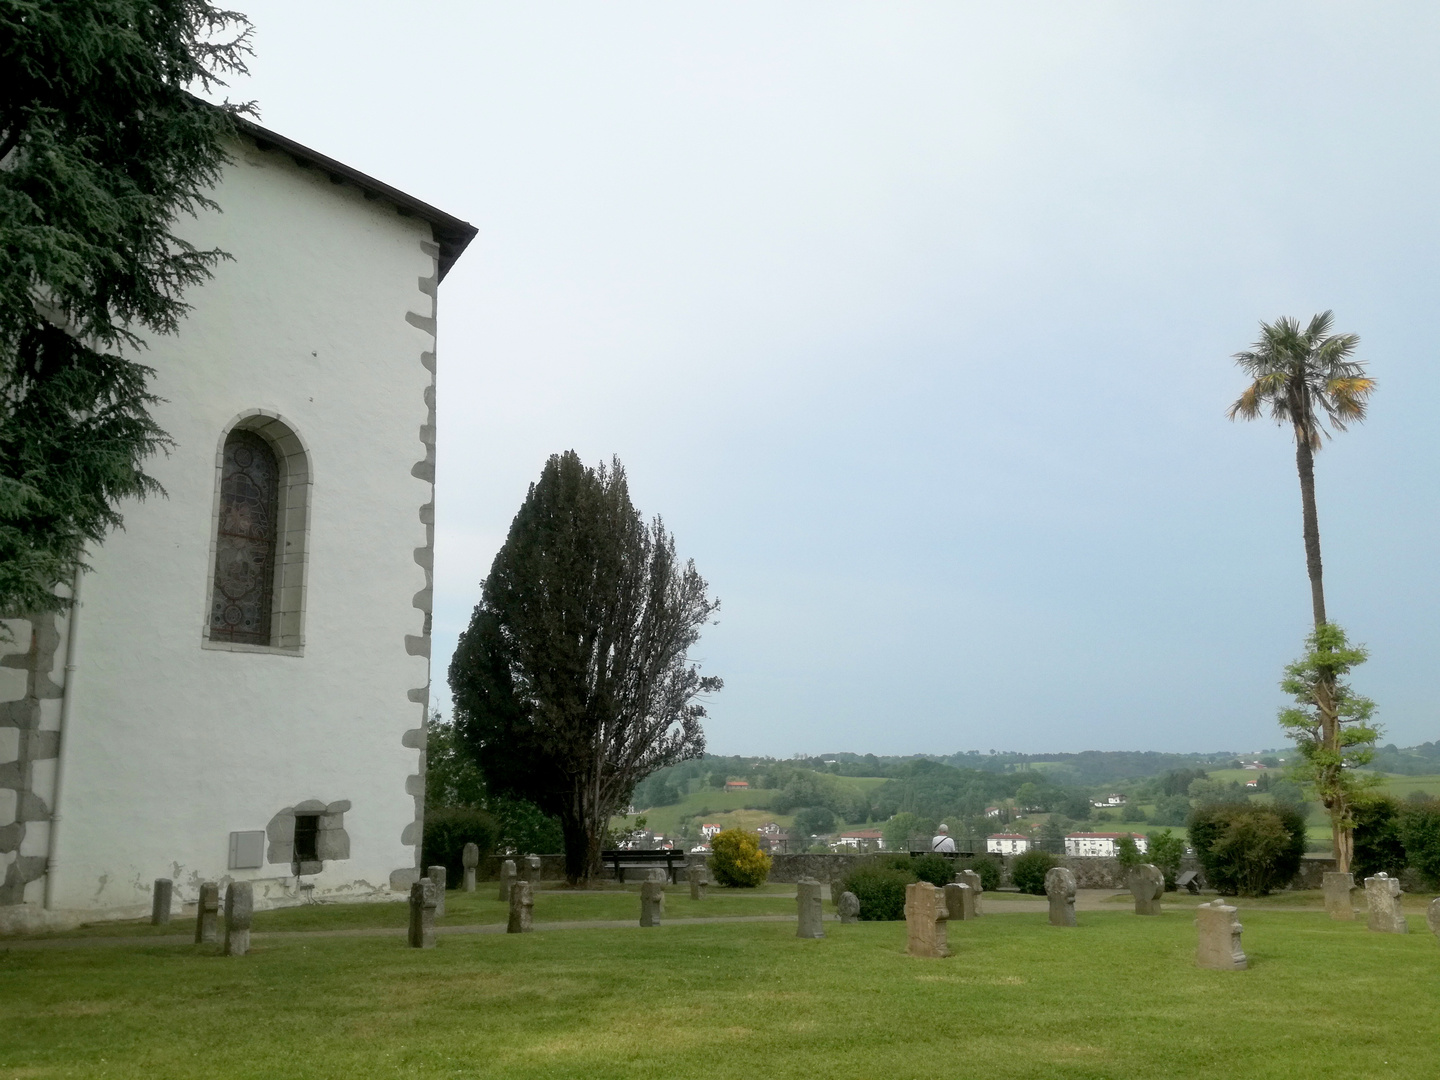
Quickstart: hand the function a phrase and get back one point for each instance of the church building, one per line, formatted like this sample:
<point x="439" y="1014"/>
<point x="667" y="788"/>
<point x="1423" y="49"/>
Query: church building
<point x="239" y="692"/>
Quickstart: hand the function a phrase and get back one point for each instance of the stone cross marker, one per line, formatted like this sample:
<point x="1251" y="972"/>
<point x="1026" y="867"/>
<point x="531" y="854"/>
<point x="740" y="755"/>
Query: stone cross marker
<point x="697" y="873"/>
<point x="849" y="907"/>
<point x="925" y="917"/>
<point x="207" y="915"/>
<point x="959" y="901"/>
<point x="1382" y="897"/>
<point x="1060" y="889"/>
<point x="160" y="908"/>
<point x="470" y="859"/>
<point x="972" y="878"/>
<point x="437" y="878"/>
<point x="1219" y="938"/>
<point x="807" y="904"/>
<point x="1432" y="916"/>
<point x="507" y="878"/>
<point x="1147" y="886"/>
<point x="652" y="900"/>
<point x="522" y="908"/>
<point x="1337" y="896"/>
<point x="239" y="911"/>
<point x="422" y="914"/>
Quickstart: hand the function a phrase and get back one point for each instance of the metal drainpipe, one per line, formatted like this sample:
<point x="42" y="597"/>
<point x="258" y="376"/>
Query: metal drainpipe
<point x="67" y="701"/>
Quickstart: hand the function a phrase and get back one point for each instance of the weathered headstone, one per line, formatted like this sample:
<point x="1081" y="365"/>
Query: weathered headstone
<point x="1189" y="880"/>
<point x="1147" y="886"/>
<point x="925" y="917"/>
<point x="1382" y="897"/>
<point x="697" y="873"/>
<point x="1338" y="888"/>
<point x="960" y="901"/>
<point x="1060" y="890"/>
<point x="808" y="900"/>
<point x="522" y="908"/>
<point x="972" y="878"/>
<point x="470" y="859"/>
<point x="530" y="869"/>
<point x="1219" y="938"/>
<point x="1432" y="916"/>
<point x="207" y="915"/>
<point x="508" y="877"/>
<point x="422" y="914"/>
<point x="849" y="907"/>
<point x="652" y="897"/>
<point x="239" y="911"/>
<point x="437" y="878"/>
<point x="160" y="904"/>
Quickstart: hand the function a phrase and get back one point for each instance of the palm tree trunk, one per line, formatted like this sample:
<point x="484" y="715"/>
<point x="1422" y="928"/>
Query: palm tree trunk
<point x="1305" y="463"/>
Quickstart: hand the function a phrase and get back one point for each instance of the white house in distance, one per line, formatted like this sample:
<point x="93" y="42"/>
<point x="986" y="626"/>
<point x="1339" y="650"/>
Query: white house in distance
<point x="1101" y="844"/>
<point x="707" y="831"/>
<point x="1006" y="844"/>
<point x="240" y="692"/>
<point x="861" y="840"/>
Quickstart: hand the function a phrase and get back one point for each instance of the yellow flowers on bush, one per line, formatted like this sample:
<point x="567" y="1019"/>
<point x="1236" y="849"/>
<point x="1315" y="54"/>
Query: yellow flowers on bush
<point x="737" y="860"/>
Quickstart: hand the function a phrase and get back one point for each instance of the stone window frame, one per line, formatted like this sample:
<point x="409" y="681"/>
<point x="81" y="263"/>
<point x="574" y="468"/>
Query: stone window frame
<point x="292" y="534"/>
<point x="332" y="841"/>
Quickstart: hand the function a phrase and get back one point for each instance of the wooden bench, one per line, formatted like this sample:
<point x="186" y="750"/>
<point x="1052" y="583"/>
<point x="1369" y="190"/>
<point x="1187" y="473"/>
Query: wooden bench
<point x="643" y="860"/>
<point x="958" y="853"/>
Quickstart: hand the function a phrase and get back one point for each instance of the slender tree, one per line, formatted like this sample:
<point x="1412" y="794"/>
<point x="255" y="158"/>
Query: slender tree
<point x="101" y="148"/>
<point x="573" y="682"/>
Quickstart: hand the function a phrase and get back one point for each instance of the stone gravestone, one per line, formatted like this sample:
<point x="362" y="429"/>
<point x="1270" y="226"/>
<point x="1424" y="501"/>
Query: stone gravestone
<point x="522" y="908"/>
<point x="1337" y="895"/>
<point x="1219" y="938"/>
<point x="925" y="917"/>
<point x="239" y="911"/>
<point x="1382" y="897"/>
<point x="207" y="915"/>
<point x="437" y="878"/>
<point x="808" y="902"/>
<point x="959" y="901"/>
<point x="1147" y="886"/>
<point x="652" y="900"/>
<point x="849" y="907"/>
<point x="972" y="878"/>
<point x="1432" y="916"/>
<point x="1060" y="889"/>
<point x="697" y="873"/>
<point x="530" y="869"/>
<point x="422" y="914"/>
<point x="160" y="908"/>
<point x="507" y="878"/>
<point x="470" y="859"/>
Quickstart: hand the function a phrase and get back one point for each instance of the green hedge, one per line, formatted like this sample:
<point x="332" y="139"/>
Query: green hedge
<point x="880" y="888"/>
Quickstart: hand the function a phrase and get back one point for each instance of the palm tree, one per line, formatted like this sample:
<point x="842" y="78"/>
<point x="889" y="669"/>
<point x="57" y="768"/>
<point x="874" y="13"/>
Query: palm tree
<point x="1302" y="378"/>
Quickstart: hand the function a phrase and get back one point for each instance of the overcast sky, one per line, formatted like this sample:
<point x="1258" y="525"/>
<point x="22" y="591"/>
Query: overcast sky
<point x="914" y="323"/>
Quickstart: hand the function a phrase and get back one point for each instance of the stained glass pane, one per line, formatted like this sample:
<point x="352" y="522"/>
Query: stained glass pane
<point x="245" y="543"/>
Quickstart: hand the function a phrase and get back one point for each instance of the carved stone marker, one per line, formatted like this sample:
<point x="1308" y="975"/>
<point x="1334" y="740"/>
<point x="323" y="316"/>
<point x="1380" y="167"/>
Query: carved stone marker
<point x="808" y="900"/>
<point x="522" y="908"/>
<point x="697" y="873"/>
<point x="530" y="869"/>
<point x="1147" y="886"/>
<point x="437" y="878"/>
<point x="470" y="859"/>
<point x="422" y="914"/>
<point x="207" y="915"/>
<point x="507" y="878"/>
<point x="1432" y="916"/>
<point x="652" y="900"/>
<point x="239" y="911"/>
<point x="1060" y="889"/>
<point x="849" y="907"/>
<point x="160" y="906"/>
<point x="1382" y="897"/>
<point x="959" y="901"/>
<point x="1337" y="895"/>
<point x="1219" y="938"/>
<point x="972" y="878"/>
<point x="925" y="917"/>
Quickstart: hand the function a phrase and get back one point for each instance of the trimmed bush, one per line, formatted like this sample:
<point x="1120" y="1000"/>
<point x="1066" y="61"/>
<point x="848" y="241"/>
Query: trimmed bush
<point x="880" y="890"/>
<point x="1248" y="848"/>
<point x="448" y="829"/>
<point x="737" y="861"/>
<point x="987" y="867"/>
<point x="936" y="869"/>
<point x="1420" y="830"/>
<point x="1378" y="847"/>
<point x="1029" y="869"/>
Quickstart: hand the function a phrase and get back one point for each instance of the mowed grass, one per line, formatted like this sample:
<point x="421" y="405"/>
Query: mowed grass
<point x="1118" y="996"/>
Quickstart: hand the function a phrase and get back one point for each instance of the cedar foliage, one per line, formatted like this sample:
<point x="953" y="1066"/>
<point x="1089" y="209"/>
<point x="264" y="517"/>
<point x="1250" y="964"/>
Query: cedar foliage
<point x="102" y="147"/>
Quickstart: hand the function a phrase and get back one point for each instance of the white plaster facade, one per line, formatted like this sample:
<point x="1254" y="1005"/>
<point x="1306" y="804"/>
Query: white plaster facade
<point x="1007" y="844"/>
<point x="322" y="327"/>
<point x="1101" y="845"/>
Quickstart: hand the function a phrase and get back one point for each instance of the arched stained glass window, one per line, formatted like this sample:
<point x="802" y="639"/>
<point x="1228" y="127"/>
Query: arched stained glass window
<point x="245" y="541"/>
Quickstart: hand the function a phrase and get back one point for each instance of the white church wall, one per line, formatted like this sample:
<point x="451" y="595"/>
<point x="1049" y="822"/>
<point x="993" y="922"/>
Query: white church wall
<point x="325" y="319"/>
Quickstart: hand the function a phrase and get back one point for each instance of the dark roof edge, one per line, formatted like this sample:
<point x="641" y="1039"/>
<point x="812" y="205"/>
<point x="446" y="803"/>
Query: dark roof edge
<point x="452" y="234"/>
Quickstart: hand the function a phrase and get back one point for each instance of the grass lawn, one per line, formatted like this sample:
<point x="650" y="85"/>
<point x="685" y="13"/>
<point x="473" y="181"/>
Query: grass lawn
<point x="1118" y="996"/>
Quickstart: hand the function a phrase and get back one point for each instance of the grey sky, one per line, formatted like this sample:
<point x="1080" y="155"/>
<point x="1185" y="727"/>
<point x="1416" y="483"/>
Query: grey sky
<point x="913" y="321"/>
